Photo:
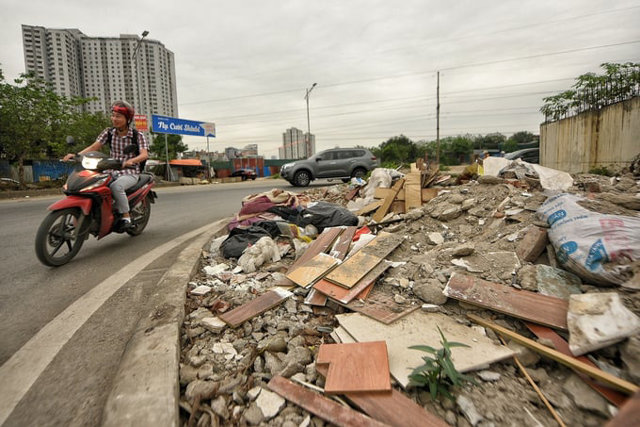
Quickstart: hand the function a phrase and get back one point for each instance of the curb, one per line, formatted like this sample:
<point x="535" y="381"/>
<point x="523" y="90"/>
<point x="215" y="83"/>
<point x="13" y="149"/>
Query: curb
<point x="146" y="387"/>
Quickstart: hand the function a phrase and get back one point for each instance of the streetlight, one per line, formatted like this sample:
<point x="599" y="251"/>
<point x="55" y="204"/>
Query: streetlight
<point x="308" y="142"/>
<point x="135" y="57"/>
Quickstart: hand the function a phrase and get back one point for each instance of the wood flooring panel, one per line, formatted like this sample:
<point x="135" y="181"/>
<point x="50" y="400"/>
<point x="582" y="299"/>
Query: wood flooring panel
<point x="380" y="306"/>
<point x="412" y="193"/>
<point x="316" y="298"/>
<point x="308" y="273"/>
<point x="259" y="305"/>
<point x="370" y="207"/>
<point x="382" y="210"/>
<point x="345" y="295"/>
<point x="341" y="247"/>
<point x="355" y="367"/>
<point x="531" y="306"/>
<point x="319" y="405"/>
<point x="419" y="328"/>
<point x="358" y="265"/>
<point x="391" y="407"/>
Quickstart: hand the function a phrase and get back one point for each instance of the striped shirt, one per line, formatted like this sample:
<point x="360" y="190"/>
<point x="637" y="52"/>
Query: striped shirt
<point x="118" y="143"/>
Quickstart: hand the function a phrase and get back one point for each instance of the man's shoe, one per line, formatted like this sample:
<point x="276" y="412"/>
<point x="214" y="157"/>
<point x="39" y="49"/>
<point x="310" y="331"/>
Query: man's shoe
<point x="126" y="225"/>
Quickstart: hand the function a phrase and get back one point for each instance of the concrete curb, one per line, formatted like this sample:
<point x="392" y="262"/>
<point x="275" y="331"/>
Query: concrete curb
<point x="146" y="387"/>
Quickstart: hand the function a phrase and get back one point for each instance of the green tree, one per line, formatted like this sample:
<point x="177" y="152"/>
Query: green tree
<point x="174" y="146"/>
<point x="32" y="117"/>
<point x="523" y="137"/>
<point x="490" y="140"/>
<point x="397" y="150"/>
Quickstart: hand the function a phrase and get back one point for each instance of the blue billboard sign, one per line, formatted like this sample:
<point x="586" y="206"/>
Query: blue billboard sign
<point x="164" y="124"/>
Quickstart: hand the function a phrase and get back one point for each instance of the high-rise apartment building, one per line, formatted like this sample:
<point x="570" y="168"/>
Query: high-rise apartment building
<point x="104" y="68"/>
<point x="294" y="144"/>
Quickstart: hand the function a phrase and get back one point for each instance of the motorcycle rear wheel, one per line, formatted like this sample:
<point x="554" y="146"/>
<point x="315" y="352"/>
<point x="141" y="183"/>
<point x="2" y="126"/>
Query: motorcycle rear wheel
<point x="140" y="216"/>
<point x="57" y="240"/>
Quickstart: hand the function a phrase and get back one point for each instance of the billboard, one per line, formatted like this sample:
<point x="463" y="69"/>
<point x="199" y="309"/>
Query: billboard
<point x="164" y="124"/>
<point x="141" y="122"/>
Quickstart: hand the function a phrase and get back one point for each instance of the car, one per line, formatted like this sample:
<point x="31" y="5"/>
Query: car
<point x="344" y="163"/>
<point x="529" y="155"/>
<point x="245" y="174"/>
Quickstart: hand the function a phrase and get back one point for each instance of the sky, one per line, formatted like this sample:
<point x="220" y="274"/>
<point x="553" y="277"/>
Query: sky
<point x="246" y="64"/>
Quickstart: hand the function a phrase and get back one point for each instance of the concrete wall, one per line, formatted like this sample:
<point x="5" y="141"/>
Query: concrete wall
<point x="607" y="138"/>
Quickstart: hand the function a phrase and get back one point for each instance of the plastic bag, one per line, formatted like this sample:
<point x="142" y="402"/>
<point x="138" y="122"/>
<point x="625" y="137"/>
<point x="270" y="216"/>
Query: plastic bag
<point x="597" y="247"/>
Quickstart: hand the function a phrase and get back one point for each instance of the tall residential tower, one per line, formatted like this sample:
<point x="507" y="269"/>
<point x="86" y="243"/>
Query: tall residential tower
<point x="104" y="68"/>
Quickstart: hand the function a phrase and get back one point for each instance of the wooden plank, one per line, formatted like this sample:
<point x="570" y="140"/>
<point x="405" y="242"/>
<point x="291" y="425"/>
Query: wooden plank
<point x="344" y="295"/>
<point x="382" y="210"/>
<point x="569" y="361"/>
<point x="247" y="311"/>
<point x="563" y="347"/>
<point x="381" y="307"/>
<point x="531" y="306"/>
<point x="382" y="192"/>
<point x="355" y="367"/>
<point x="316" y="298"/>
<point x="412" y="193"/>
<point x="358" y="265"/>
<point x="341" y="247"/>
<point x="351" y="194"/>
<point x="370" y="207"/>
<point x="392" y="408"/>
<point x="308" y="273"/>
<point x="319" y="405"/>
<point x="419" y="328"/>
<point x="429" y="193"/>
<point x="319" y="245"/>
<point x="397" y="207"/>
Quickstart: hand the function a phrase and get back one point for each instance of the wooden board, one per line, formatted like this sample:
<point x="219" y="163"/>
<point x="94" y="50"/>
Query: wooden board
<point x="308" y="273"/>
<point x="382" y="210"/>
<point x="381" y="307"/>
<point x="563" y="347"/>
<point x="531" y="306"/>
<point x="247" y="311"/>
<point x="321" y="244"/>
<point x="355" y="367"/>
<point x="315" y="298"/>
<point x="413" y="196"/>
<point x="397" y="207"/>
<point x="345" y="295"/>
<point x="392" y="408"/>
<point x="319" y="405"/>
<point x="342" y="244"/>
<point x="419" y="328"/>
<point x="357" y="266"/>
<point x="370" y="207"/>
<point x="571" y="362"/>
<point x="426" y="194"/>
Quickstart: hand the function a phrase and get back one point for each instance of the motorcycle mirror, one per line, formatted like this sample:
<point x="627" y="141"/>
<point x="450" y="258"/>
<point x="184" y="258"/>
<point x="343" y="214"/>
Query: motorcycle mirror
<point x="130" y="149"/>
<point x="70" y="140"/>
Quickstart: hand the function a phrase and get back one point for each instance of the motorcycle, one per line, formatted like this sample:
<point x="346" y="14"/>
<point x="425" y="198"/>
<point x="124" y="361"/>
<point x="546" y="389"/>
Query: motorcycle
<point x="88" y="208"/>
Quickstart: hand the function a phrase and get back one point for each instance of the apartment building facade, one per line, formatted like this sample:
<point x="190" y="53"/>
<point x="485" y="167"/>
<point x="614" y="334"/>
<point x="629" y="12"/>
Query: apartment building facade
<point x="103" y="67"/>
<point x="296" y="145"/>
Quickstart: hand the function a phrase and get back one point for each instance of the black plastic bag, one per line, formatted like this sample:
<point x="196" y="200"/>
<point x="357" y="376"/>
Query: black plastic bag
<point x="320" y="215"/>
<point x="239" y="239"/>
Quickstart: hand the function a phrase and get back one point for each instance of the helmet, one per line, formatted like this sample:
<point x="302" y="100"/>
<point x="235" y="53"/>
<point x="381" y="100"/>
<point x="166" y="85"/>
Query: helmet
<point x="125" y="109"/>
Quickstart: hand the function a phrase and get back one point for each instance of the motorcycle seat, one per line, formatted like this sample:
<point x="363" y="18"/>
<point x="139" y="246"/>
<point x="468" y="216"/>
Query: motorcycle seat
<point x="143" y="178"/>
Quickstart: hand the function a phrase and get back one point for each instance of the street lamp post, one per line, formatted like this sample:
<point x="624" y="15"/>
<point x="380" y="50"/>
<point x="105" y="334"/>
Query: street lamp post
<point x="135" y="57"/>
<point x="308" y="139"/>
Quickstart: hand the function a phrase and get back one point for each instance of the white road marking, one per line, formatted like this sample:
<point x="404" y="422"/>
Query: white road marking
<point x="18" y="374"/>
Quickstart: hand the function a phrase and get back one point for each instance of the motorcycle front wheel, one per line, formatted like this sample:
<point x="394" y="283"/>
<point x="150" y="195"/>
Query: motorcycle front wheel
<point x="140" y="216"/>
<point x="57" y="240"/>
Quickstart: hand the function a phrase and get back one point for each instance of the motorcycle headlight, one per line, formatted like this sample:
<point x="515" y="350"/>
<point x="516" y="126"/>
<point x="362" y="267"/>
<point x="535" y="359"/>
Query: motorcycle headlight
<point x="90" y="163"/>
<point x="96" y="184"/>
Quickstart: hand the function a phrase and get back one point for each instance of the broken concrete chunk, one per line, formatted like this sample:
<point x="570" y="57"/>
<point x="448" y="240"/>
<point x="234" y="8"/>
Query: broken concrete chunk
<point x="217" y="269"/>
<point x="469" y="410"/>
<point x="253" y="415"/>
<point x="450" y="213"/>
<point x="201" y="290"/>
<point x="533" y="244"/>
<point x="430" y="292"/>
<point x="557" y="282"/>
<point x="463" y="250"/>
<point x="584" y="396"/>
<point x="630" y="354"/>
<point x="435" y="238"/>
<point x="219" y="407"/>
<point x="489" y="376"/>
<point x="526" y="356"/>
<point x="270" y="403"/>
<point x="597" y="320"/>
<point x="254" y="392"/>
<point x="202" y="389"/>
<point x="212" y="324"/>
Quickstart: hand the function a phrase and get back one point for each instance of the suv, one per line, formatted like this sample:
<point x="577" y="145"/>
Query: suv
<point x="529" y="155"/>
<point x="342" y="163"/>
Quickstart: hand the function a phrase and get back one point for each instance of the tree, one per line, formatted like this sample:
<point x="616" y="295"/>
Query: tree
<point x="174" y="144"/>
<point x="490" y="140"/>
<point x="523" y="137"/>
<point x="32" y="116"/>
<point x="396" y="150"/>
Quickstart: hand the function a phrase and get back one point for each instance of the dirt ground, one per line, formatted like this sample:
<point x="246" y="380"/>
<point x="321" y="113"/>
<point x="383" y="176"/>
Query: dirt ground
<point x="223" y="370"/>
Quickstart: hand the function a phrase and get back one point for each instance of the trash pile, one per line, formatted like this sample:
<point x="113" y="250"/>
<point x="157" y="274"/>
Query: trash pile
<point x="303" y="314"/>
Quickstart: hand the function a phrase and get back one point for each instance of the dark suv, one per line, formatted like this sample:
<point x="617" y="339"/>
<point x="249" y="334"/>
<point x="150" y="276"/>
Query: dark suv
<point x="342" y="163"/>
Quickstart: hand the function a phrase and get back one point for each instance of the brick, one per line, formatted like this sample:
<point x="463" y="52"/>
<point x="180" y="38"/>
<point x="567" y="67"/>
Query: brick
<point x="533" y="244"/>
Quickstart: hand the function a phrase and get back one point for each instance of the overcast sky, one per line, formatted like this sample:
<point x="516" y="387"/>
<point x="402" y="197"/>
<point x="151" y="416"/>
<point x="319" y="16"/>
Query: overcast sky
<point x="245" y="65"/>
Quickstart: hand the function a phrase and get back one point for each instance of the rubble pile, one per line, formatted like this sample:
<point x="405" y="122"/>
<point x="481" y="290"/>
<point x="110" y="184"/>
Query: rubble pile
<point x="481" y="251"/>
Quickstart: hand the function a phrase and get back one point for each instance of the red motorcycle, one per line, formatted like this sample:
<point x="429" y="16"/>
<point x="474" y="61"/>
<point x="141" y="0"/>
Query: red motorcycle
<point x="88" y="208"/>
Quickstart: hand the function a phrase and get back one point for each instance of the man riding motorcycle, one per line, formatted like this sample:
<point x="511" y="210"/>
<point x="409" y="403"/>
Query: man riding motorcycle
<point x="118" y="137"/>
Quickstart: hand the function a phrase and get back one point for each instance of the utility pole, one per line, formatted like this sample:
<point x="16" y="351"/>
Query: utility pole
<point x="308" y="139"/>
<point x="135" y="57"/>
<point x="438" y="120"/>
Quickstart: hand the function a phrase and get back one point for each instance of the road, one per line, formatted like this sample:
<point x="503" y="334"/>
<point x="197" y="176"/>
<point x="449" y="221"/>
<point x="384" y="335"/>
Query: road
<point x="74" y="385"/>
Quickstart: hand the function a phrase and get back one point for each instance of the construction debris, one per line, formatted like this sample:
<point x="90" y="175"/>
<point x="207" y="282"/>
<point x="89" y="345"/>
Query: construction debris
<point x="425" y="254"/>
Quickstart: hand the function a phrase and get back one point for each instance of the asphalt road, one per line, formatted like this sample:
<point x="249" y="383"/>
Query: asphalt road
<point x="73" y="387"/>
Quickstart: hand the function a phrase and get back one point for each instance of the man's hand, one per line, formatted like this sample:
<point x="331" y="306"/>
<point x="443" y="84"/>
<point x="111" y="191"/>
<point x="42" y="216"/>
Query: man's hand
<point x="129" y="163"/>
<point x="68" y="157"/>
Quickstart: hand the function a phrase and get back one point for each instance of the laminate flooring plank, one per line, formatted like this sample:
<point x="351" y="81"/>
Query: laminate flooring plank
<point x="259" y="305"/>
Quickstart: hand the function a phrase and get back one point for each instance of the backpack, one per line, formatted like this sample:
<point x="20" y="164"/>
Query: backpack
<point x="135" y="141"/>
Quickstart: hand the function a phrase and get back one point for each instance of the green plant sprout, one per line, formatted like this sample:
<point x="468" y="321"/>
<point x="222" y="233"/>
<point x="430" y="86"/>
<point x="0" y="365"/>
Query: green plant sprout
<point x="438" y="371"/>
